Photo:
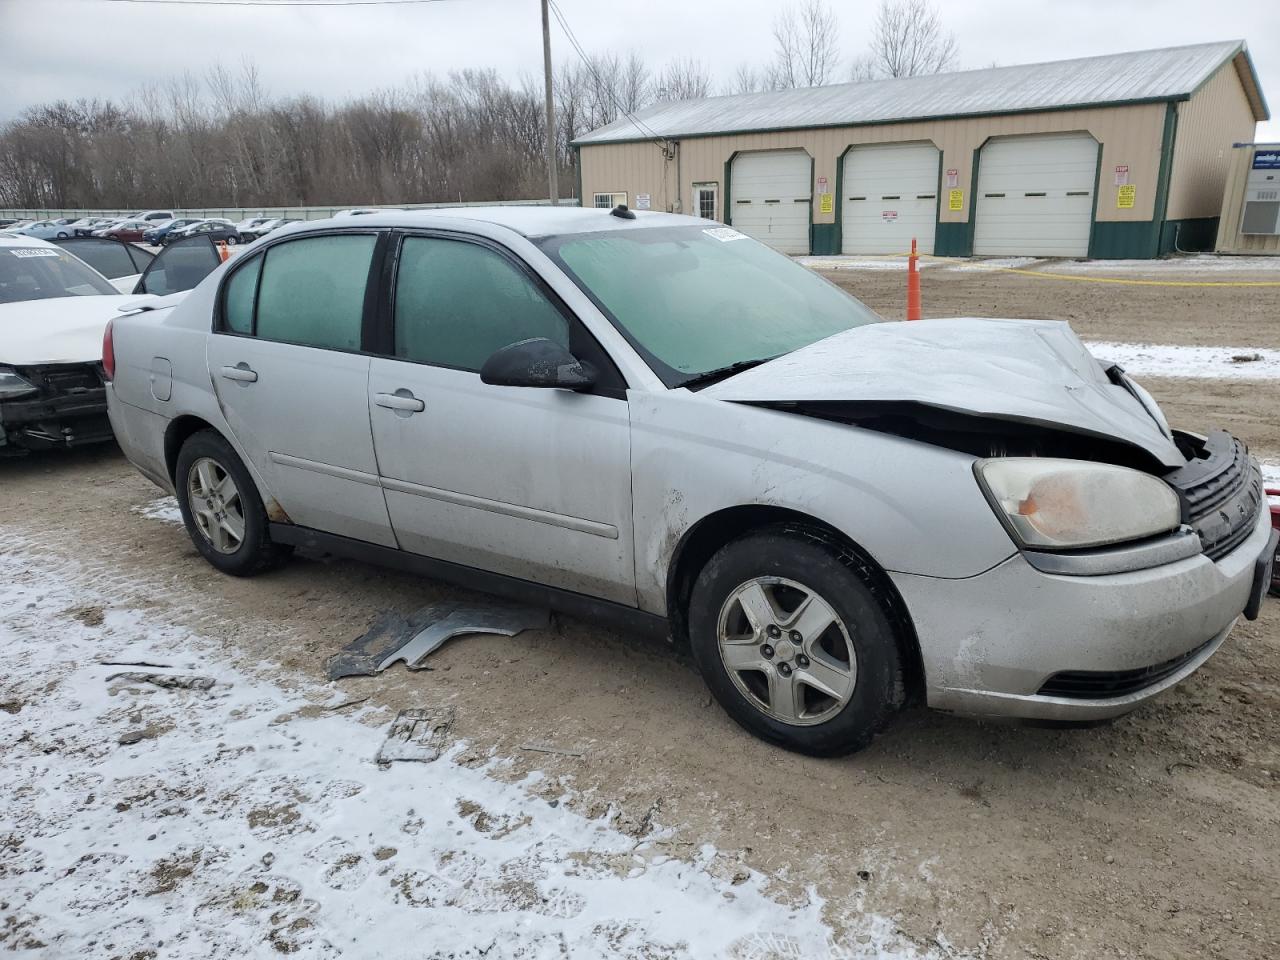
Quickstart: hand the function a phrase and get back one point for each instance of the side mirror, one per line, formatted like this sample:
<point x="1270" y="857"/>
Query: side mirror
<point x="537" y="363"/>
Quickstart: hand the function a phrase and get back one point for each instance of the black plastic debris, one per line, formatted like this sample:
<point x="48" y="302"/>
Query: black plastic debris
<point x="394" y="638"/>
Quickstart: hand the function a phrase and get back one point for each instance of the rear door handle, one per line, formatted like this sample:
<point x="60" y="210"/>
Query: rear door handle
<point x="241" y="373"/>
<point x="400" y="400"/>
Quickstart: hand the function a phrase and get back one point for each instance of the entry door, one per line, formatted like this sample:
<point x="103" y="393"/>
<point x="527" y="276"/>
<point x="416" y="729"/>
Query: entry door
<point x="705" y="201"/>
<point x="294" y="387"/>
<point x="889" y="196"/>
<point x="532" y="483"/>
<point x="1035" y="196"/>
<point x="772" y="192"/>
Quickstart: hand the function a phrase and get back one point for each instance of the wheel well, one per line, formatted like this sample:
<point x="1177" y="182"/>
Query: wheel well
<point x="176" y="435"/>
<point x="700" y="543"/>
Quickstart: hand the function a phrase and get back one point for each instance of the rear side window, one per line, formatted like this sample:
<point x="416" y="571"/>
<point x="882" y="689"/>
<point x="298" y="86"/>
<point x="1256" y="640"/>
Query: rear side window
<point x="241" y="290"/>
<point x="312" y="291"/>
<point x="109" y="258"/>
<point x="457" y="303"/>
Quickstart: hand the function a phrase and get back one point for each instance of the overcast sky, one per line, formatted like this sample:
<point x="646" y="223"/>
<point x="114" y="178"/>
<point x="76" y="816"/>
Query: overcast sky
<point x="52" y="49"/>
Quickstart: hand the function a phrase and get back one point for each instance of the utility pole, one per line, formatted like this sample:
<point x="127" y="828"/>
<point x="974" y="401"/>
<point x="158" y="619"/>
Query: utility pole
<point x="551" y="109"/>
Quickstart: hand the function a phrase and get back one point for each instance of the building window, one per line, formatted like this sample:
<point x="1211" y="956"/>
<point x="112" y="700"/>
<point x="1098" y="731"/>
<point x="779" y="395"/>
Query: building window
<point x="608" y="201"/>
<point x="704" y="200"/>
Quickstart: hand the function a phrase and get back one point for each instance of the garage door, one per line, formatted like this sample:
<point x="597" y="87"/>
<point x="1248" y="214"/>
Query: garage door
<point x="1035" y="196"/>
<point x="889" y="195"/>
<point x="771" y="196"/>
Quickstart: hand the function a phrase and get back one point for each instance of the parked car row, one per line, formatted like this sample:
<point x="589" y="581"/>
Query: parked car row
<point x="154" y="227"/>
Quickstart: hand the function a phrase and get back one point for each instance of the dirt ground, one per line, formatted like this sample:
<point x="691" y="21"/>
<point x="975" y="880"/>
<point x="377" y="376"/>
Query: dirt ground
<point x="1157" y="836"/>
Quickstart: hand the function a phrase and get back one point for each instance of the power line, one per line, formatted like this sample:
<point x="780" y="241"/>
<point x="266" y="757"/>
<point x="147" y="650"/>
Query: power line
<point x="639" y="125"/>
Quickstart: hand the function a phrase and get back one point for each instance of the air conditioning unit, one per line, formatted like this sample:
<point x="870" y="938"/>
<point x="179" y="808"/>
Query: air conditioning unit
<point x="1262" y="195"/>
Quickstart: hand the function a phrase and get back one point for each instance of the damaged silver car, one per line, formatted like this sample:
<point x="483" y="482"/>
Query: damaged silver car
<point x="656" y="419"/>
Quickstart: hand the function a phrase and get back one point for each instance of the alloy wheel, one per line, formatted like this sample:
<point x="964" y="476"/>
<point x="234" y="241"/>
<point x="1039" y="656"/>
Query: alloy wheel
<point x="215" y="505"/>
<point x="787" y="650"/>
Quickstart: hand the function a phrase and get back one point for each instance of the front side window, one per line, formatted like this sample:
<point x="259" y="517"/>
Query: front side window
<point x="698" y="299"/>
<point x="458" y="302"/>
<point x="312" y="291"/>
<point x="181" y="267"/>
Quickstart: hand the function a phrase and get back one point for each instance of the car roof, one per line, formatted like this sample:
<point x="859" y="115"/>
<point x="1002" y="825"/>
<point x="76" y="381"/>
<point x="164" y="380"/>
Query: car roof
<point x="12" y="240"/>
<point x="529" y="221"/>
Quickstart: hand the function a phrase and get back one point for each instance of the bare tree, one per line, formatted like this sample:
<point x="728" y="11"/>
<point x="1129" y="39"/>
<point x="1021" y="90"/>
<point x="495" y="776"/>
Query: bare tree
<point x="908" y="40"/>
<point x="747" y="79"/>
<point x="684" y="79"/>
<point x="806" y="46"/>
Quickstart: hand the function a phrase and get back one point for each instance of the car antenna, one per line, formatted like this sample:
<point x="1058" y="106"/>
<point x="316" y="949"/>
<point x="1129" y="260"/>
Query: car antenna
<point x="622" y="213"/>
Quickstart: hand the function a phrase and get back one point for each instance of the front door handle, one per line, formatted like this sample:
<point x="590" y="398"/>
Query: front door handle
<point x="401" y="400"/>
<point x="241" y="373"/>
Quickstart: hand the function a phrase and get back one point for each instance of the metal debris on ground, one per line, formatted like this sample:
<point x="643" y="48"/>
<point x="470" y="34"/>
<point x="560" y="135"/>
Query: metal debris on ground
<point x="394" y="637"/>
<point x="416" y="735"/>
<point x="547" y="748"/>
<point x="166" y="681"/>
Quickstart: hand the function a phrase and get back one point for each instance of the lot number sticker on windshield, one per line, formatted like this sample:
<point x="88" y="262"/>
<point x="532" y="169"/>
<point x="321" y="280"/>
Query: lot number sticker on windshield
<point x="23" y="253"/>
<point x="725" y="234"/>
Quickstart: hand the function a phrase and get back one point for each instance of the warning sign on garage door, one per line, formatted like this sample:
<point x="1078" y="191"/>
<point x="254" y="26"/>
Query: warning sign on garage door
<point x="826" y="203"/>
<point x="889" y="216"/>
<point x="1125" y="196"/>
<point x="955" y="200"/>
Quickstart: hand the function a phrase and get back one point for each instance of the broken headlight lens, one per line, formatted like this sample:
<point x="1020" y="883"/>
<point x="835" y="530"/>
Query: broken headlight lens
<point x="14" y="387"/>
<point x="1069" y="504"/>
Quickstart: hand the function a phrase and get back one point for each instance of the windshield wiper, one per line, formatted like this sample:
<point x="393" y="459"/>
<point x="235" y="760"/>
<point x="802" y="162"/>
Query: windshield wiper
<point x="719" y="373"/>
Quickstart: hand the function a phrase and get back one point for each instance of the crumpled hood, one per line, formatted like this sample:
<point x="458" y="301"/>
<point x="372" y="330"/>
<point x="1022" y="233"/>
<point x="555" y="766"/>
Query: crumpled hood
<point x="62" y="330"/>
<point x="1025" y="371"/>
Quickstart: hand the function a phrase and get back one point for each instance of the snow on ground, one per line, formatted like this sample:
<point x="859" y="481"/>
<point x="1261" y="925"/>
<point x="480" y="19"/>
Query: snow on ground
<point x="187" y="808"/>
<point x="1191" y="264"/>
<point x="1164" y="360"/>
<point x="162" y="508"/>
<point x="853" y="262"/>
<point x="1270" y="472"/>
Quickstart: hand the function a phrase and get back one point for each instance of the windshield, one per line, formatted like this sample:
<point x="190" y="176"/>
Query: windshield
<point x="43" y="273"/>
<point x="698" y="299"/>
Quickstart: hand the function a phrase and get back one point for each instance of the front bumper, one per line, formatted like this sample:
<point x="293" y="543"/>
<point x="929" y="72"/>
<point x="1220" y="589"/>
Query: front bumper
<point x="70" y="410"/>
<point x="990" y="643"/>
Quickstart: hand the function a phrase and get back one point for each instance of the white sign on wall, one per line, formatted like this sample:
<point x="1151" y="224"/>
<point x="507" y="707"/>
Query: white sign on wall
<point x="1122" y="174"/>
<point x="642" y="201"/>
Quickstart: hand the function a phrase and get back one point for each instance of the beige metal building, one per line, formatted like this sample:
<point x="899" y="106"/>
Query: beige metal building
<point x="1116" y="156"/>
<point x="1251" y="202"/>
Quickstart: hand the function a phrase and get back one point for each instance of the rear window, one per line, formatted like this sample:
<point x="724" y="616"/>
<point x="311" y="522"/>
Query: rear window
<point x="46" y="273"/>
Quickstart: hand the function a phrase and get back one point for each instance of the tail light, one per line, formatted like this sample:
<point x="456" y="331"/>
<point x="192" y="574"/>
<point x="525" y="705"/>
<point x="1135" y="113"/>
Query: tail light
<point x="108" y="353"/>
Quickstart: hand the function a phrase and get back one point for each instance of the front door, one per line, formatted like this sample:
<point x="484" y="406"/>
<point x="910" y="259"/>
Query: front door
<point x="531" y="483"/>
<point x="705" y="201"/>
<point x="293" y="383"/>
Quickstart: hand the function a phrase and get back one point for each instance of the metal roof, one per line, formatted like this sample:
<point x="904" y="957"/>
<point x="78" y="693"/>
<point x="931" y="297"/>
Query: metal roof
<point x="1172" y="73"/>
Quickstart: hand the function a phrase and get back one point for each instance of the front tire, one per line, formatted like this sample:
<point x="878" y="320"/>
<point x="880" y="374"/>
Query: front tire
<point x="222" y="509"/>
<point x="232" y="241"/>
<point x="794" y="642"/>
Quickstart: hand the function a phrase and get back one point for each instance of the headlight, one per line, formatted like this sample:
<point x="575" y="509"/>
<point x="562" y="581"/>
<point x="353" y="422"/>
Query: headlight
<point x="1069" y="504"/>
<point x="14" y="387"/>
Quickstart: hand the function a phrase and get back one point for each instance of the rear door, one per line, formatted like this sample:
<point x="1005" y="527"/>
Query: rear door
<point x="287" y="361"/>
<point x="527" y="482"/>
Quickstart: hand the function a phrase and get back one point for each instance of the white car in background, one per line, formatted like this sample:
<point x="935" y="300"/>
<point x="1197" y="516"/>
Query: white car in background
<point x="54" y="310"/>
<point x="44" y="229"/>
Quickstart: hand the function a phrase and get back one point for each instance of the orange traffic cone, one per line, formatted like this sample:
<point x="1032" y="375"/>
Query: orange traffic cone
<point x="913" y="284"/>
<point x="223" y="252"/>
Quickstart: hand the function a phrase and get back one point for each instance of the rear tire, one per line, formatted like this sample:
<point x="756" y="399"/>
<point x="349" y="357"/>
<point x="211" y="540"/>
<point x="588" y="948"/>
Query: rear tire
<point x="221" y="508"/>
<point x="815" y="661"/>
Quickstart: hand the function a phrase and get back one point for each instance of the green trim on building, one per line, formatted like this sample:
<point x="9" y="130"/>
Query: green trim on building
<point x="956" y="239"/>
<point x="728" y="182"/>
<point x="824" y="239"/>
<point x="1167" y="143"/>
<point x="1124" y="240"/>
<point x="1097" y="200"/>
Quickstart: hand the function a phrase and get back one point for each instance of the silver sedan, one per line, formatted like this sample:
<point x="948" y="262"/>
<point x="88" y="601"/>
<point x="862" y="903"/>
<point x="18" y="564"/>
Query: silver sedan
<point x="656" y="420"/>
